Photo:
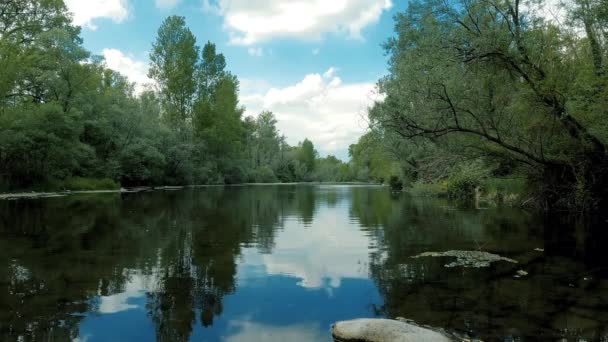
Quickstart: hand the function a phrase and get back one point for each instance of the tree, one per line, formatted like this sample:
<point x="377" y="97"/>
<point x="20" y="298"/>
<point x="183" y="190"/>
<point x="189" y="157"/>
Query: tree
<point x="494" y="80"/>
<point x="210" y="72"/>
<point x="174" y="59"/>
<point x="267" y="145"/>
<point x="306" y="155"/>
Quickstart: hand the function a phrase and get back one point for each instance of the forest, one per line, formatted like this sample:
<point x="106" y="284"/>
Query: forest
<point x="480" y="95"/>
<point x="69" y="122"/>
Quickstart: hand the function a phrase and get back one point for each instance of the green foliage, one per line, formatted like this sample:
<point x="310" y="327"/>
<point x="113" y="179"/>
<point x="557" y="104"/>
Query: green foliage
<point x="84" y="184"/>
<point x="372" y="159"/>
<point x="504" y="186"/>
<point x="306" y="155"/>
<point x="395" y="183"/>
<point x="174" y="60"/>
<point x="264" y="175"/>
<point x="462" y="187"/>
<point x="491" y="83"/>
<point x="421" y="189"/>
<point x="65" y="119"/>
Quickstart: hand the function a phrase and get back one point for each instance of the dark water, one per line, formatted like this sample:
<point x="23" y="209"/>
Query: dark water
<point x="281" y="263"/>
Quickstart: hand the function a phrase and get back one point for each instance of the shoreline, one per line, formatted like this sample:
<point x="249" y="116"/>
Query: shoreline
<point x="11" y="196"/>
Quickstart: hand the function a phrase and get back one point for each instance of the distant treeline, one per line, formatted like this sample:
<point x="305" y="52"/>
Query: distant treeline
<point x="498" y="92"/>
<point x="67" y="121"/>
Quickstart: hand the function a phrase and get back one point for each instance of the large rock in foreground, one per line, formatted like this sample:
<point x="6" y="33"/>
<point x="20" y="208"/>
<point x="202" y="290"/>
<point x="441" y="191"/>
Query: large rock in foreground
<point x="383" y="330"/>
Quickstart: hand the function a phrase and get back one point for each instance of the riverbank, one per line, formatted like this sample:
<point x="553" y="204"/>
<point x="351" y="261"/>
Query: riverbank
<point x="495" y="191"/>
<point x="49" y="194"/>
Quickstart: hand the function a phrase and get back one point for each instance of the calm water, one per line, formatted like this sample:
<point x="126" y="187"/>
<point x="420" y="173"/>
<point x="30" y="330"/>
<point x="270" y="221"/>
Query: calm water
<point x="281" y="263"/>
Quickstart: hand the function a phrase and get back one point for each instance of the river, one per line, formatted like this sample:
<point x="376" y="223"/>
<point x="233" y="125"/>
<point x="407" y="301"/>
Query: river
<point x="283" y="262"/>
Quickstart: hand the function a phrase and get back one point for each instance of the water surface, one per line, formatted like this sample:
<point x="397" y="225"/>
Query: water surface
<point x="281" y="263"/>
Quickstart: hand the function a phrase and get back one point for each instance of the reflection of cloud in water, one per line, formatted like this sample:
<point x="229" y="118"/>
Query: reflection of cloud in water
<point x="136" y="287"/>
<point x="321" y="254"/>
<point x="251" y="331"/>
<point x="81" y="338"/>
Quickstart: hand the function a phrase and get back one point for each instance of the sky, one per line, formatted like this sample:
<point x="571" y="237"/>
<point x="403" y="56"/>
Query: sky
<point x="313" y="63"/>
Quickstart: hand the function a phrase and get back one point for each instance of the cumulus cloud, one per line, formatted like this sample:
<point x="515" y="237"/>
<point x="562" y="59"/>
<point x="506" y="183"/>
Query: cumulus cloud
<point x="136" y="287"/>
<point x="345" y="246"/>
<point x="85" y="12"/>
<point x="252" y="21"/>
<point x="136" y="71"/>
<point x="319" y="107"/>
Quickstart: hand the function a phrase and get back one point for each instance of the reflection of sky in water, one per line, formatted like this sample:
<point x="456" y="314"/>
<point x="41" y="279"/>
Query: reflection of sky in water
<point x="316" y="274"/>
<point x="272" y="308"/>
<point x="320" y="255"/>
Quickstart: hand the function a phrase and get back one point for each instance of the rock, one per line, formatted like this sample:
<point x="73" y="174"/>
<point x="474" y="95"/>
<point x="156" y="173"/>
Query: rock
<point x="384" y="330"/>
<point x="474" y="259"/>
<point x="541" y="250"/>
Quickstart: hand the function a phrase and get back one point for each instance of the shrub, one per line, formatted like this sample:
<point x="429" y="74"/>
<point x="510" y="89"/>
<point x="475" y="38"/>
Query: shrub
<point x="85" y="184"/>
<point x="265" y="174"/>
<point x="462" y="187"/>
<point x="421" y="189"/>
<point x="395" y="183"/>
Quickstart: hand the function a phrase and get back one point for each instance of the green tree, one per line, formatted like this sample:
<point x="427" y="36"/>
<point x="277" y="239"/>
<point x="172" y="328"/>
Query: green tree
<point x="210" y="72"/>
<point x="174" y="59"/>
<point x="306" y="155"/>
<point x="495" y="81"/>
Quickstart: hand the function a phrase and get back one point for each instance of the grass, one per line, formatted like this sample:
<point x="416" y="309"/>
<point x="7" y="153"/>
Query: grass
<point x="84" y="184"/>
<point x="503" y="190"/>
<point x="420" y="189"/>
<point x="504" y="185"/>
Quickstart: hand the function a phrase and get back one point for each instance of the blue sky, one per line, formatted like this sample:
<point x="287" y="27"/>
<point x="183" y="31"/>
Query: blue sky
<point x="314" y="63"/>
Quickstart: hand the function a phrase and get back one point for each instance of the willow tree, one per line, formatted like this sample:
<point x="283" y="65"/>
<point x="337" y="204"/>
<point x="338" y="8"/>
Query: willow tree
<point x="493" y="79"/>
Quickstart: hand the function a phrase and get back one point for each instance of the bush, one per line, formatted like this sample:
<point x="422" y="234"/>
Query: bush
<point x="462" y="187"/>
<point x="395" y="183"/>
<point x="504" y="190"/>
<point x="265" y="174"/>
<point x="420" y="189"/>
<point x="504" y="186"/>
<point x="85" y="184"/>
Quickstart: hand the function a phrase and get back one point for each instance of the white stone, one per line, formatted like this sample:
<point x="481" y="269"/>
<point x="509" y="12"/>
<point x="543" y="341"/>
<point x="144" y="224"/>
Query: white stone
<point x="383" y="330"/>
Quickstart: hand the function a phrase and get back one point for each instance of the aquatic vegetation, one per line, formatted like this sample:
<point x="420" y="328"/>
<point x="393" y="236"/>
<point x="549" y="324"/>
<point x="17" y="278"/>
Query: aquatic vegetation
<point x="471" y="259"/>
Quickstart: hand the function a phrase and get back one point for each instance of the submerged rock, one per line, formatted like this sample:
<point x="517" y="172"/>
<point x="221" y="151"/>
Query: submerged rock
<point x="384" y="330"/>
<point x="473" y="259"/>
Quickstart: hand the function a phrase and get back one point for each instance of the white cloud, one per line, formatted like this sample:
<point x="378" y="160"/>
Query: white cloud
<point x="136" y="287"/>
<point x="253" y="331"/>
<point x="84" y="12"/>
<point x="164" y="4"/>
<point x="255" y="52"/>
<point x="320" y="107"/>
<point x="252" y="21"/>
<point x="339" y="253"/>
<point x="135" y="71"/>
<point x="329" y="73"/>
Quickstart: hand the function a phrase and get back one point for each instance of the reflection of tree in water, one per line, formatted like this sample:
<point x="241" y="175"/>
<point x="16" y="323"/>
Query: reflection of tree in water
<point x="58" y="255"/>
<point x="555" y="300"/>
<point x="46" y="260"/>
